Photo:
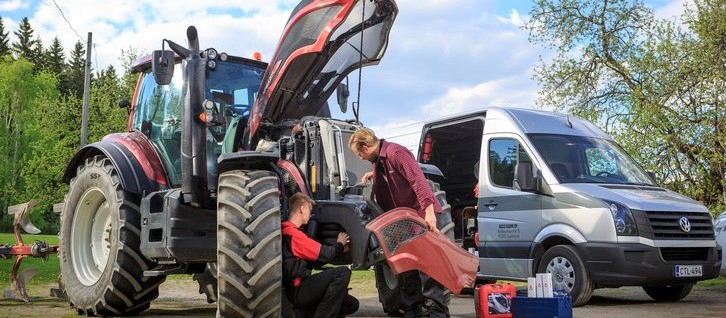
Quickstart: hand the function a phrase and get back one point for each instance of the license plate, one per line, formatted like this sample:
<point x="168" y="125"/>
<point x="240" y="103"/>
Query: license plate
<point x="689" y="271"/>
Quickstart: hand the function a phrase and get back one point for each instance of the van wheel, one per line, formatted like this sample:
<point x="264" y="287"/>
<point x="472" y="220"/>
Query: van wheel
<point x="568" y="273"/>
<point x="668" y="293"/>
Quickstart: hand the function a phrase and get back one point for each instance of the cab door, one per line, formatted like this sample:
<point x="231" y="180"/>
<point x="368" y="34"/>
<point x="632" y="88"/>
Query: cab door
<point x="508" y="218"/>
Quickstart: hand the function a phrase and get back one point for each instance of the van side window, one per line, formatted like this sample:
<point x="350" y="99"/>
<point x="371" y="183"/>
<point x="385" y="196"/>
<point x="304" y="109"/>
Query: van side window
<point x="504" y="154"/>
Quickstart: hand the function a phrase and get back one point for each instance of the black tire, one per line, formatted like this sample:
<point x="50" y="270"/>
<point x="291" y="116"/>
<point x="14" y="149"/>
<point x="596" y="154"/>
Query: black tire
<point x="249" y="245"/>
<point x="568" y="273"/>
<point x="100" y="261"/>
<point x="668" y="293"/>
<point x="389" y="293"/>
<point x="207" y="281"/>
<point x="386" y="282"/>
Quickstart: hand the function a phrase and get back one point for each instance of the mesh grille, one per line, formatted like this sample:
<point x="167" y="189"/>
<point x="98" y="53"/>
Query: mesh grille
<point x="672" y="254"/>
<point x="400" y="232"/>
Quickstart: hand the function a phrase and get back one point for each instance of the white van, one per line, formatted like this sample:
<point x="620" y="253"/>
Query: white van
<point x="558" y="195"/>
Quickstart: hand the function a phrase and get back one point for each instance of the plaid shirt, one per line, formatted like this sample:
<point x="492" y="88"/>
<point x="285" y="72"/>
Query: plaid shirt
<point x="399" y="182"/>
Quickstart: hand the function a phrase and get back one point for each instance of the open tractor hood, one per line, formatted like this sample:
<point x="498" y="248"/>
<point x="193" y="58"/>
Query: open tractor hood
<point x="323" y="41"/>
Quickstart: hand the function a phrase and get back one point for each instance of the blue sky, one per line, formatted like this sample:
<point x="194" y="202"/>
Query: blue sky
<point x="444" y="56"/>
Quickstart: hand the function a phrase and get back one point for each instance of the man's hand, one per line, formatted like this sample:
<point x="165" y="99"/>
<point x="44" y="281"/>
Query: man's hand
<point x="366" y="177"/>
<point x="430" y="218"/>
<point x="344" y="239"/>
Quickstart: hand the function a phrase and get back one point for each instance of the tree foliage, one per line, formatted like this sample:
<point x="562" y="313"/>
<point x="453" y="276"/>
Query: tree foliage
<point x="41" y="91"/>
<point x="654" y="84"/>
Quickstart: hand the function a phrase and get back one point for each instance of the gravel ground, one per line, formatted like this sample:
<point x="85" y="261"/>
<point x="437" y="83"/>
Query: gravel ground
<point x="179" y="298"/>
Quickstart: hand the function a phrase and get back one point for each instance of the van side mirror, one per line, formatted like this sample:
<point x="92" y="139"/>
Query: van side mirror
<point x="162" y="66"/>
<point x="523" y="178"/>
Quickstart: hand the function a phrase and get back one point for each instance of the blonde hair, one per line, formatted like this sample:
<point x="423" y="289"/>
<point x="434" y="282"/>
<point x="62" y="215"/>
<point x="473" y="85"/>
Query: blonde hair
<point x="297" y="200"/>
<point x="362" y="136"/>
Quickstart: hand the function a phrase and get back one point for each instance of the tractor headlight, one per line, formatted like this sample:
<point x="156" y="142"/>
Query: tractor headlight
<point x="623" y="219"/>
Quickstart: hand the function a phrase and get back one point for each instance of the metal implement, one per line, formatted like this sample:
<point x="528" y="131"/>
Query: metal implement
<point x="20" y="250"/>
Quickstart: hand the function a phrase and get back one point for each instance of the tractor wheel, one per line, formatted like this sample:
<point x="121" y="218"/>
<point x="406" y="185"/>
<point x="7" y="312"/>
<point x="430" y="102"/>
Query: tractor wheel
<point x="208" y="282"/>
<point x="386" y="281"/>
<point x="249" y="245"/>
<point x="568" y="273"/>
<point x="668" y="293"/>
<point x="389" y="293"/>
<point x="100" y="262"/>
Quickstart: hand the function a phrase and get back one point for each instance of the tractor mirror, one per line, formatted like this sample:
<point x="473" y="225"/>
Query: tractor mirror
<point x="342" y="94"/>
<point x="162" y="66"/>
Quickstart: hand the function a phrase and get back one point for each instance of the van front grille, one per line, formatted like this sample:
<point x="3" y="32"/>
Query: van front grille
<point x="665" y="225"/>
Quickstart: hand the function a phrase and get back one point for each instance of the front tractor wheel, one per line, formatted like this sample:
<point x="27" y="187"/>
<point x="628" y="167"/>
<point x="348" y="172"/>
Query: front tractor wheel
<point x="249" y="245"/>
<point x="100" y="262"/>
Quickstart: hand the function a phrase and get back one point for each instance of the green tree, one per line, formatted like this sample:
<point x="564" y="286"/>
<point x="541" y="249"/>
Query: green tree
<point x="4" y="46"/>
<point x="25" y="45"/>
<point x="652" y="84"/>
<point x="76" y="72"/>
<point x="24" y="100"/>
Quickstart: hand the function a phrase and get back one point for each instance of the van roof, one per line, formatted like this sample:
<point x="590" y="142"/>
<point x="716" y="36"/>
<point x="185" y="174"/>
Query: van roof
<point x="531" y="121"/>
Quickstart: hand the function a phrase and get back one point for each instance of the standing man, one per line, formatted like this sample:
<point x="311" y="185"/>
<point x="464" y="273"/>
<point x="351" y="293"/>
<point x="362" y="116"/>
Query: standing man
<point x="325" y="293"/>
<point x="399" y="182"/>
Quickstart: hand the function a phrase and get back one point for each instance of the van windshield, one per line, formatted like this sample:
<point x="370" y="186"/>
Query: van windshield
<point x="577" y="159"/>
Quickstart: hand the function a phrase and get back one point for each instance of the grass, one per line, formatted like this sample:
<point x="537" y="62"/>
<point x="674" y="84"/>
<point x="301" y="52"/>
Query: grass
<point x="362" y="281"/>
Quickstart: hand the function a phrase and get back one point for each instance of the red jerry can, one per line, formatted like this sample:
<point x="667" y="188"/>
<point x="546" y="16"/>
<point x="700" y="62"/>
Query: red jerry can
<point x="494" y="300"/>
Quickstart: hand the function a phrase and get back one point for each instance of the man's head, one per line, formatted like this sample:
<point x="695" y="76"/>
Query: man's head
<point x="364" y="144"/>
<point x="300" y="208"/>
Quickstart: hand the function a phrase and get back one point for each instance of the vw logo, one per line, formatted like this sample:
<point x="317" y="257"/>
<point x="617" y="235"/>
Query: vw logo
<point x="684" y="224"/>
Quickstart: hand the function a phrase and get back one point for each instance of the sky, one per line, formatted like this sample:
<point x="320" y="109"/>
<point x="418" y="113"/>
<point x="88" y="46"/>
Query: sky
<point x="444" y="57"/>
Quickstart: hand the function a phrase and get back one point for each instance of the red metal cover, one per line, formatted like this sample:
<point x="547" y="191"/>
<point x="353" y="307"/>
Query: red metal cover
<point x="409" y="245"/>
<point x="323" y="41"/>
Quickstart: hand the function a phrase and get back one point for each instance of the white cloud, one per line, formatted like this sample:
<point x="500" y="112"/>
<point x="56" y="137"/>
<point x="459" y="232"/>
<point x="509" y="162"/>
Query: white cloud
<point x="672" y="9"/>
<point x="510" y="91"/>
<point x="12" y="5"/>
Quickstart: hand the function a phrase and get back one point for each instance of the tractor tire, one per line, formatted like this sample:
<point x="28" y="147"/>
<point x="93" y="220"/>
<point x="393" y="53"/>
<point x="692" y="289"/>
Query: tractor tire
<point x="387" y="283"/>
<point x="100" y="261"/>
<point x="249" y="245"/>
<point x="208" y="282"/>
<point x="668" y="293"/>
<point x="568" y="273"/>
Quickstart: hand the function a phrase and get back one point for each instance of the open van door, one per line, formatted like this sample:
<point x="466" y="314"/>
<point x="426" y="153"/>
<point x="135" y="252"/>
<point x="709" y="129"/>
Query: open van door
<point x="408" y="245"/>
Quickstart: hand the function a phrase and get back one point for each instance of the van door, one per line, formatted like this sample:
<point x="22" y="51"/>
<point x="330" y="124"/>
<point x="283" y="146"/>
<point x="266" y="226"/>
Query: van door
<point x="508" y="218"/>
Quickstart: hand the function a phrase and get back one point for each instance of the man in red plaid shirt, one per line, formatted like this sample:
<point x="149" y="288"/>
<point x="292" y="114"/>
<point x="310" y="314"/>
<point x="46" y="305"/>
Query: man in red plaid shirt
<point x="399" y="182"/>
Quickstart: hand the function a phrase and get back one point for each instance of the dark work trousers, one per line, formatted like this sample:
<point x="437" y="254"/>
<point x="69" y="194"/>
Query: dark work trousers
<point x="417" y="286"/>
<point x="324" y="292"/>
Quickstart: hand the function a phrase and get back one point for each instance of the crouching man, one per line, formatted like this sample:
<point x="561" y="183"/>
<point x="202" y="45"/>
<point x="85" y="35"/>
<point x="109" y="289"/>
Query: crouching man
<point x="323" y="294"/>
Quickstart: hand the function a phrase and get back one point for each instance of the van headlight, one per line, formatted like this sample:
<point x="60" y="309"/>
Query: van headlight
<point x="623" y="218"/>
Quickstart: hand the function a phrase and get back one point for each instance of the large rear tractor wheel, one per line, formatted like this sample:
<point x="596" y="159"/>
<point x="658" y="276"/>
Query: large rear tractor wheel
<point x="387" y="283"/>
<point x="100" y="262"/>
<point x="249" y="245"/>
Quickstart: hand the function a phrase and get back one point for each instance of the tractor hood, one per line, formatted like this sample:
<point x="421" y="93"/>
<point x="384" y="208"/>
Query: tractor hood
<point x="323" y="41"/>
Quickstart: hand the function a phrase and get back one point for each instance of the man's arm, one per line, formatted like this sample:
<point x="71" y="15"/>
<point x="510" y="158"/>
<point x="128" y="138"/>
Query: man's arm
<point x="407" y="165"/>
<point x="329" y="252"/>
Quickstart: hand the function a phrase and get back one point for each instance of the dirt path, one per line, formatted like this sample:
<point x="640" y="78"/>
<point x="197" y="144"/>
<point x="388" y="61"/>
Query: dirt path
<point x="179" y="298"/>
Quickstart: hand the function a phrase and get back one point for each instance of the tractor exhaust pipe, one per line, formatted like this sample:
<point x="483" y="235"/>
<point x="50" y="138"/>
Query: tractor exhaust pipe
<point x="194" y="137"/>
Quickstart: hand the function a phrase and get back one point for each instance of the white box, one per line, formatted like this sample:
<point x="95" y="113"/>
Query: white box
<point x="540" y="291"/>
<point x="531" y="287"/>
<point x="547" y="285"/>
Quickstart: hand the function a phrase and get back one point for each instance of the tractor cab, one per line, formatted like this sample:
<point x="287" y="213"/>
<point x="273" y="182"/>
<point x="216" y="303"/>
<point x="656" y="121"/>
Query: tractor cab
<point x="230" y="85"/>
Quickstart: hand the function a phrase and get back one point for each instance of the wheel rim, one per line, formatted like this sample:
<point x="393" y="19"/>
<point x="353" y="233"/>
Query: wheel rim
<point x="563" y="274"/>
<point x="389" y="277"/>
<point x="91" y="236"/>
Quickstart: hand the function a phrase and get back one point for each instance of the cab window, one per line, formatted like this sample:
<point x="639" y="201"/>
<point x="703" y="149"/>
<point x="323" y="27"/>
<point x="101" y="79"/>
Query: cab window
<point x="504" y="155"/>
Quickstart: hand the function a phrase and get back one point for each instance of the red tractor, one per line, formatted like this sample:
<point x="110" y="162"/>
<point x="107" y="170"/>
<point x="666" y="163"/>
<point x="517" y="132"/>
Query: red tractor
<point x="198" y="183"/>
